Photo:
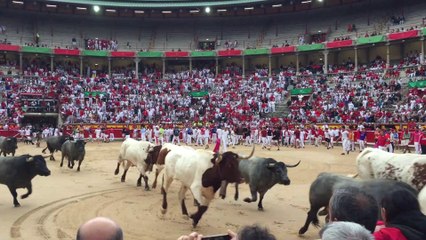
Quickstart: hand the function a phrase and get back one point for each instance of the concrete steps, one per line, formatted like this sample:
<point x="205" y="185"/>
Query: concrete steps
<point x="281" y="110"/>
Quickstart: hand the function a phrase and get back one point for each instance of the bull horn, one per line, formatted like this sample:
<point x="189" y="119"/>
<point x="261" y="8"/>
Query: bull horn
<point x="218" y="158"/>
<point x="30" y="159"/>
<point x="45" y="157"/>
<point x="354" y="176"/>
<point x="245" y="158"/>
<point x="292" y="166"/>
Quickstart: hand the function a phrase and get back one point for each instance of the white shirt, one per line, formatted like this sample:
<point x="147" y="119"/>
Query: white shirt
<point x="327" y="134"/>
<point x="345" y="135"/>
<point x="224" y="135"/>
<point x="98" y="132"/>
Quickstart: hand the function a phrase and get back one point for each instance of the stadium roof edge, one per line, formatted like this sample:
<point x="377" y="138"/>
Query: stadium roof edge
<point x="161" y="4"/>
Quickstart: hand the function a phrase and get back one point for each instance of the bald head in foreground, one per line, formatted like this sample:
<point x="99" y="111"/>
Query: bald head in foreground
<point x="100" y="228"/>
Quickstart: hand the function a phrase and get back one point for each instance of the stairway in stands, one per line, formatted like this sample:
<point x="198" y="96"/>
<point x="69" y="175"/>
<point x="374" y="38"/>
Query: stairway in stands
<point x="152" y="39"/>
<point x="281" y="110"/>
<point x="263" y="32"/>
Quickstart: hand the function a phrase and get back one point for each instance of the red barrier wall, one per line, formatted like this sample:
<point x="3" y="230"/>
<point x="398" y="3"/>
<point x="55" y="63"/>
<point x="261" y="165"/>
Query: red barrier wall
<point x="69" y="52"/>
<point x="338" y="44"/>
<point x="288" y="49"/>
<point x="403" y="35"/>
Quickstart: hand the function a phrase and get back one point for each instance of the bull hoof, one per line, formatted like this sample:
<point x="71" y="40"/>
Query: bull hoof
<point x="139" y="184"/>
<point x="163" y="211"/>
<point x="116" y="172"/>
<point x="302" y="231"/>
<point x="24" y="196"/>
<point x="248" y="200"/>
<point x="260" y="209"/>
<point x="123" y="180"/>
<point x="194" y="223"/>
<point x="147" y="189"/>
<point x="17" y="205"/>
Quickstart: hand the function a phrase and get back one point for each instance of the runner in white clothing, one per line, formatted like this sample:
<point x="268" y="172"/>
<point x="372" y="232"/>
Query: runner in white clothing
<point x="302" y="138"/>
<point x="98" y="132"/>
<point x="224" y="139"/>
<point x="346" y="144"/>
<point x="206" y="137"/>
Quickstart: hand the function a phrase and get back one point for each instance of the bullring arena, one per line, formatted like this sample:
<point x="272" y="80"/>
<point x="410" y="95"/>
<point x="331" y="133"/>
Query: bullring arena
<point x="62" y="201"/>
<point x="255" y="69"/>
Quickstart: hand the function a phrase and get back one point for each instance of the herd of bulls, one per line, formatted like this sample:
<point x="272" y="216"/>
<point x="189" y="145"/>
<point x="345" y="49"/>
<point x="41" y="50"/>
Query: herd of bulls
<point x="18" y="171"/>
<point x="204" y="172"/>
<point x="201" y="171"/>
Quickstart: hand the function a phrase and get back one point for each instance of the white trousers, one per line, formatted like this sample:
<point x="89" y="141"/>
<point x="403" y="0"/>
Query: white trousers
<point x="418" y="147"/>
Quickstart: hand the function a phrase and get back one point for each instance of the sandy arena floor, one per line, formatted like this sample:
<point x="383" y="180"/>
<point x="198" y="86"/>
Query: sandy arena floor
<point x="62" y="201"/>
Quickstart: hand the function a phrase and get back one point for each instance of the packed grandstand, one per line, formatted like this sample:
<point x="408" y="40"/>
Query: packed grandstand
<point x="352" y="67"/>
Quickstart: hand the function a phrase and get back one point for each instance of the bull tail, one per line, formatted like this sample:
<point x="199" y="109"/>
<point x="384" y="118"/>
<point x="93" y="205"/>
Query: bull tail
<point x="315" y="221"/>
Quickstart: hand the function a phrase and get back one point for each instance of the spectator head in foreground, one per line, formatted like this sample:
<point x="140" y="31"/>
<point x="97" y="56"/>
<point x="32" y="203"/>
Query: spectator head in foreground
<point x="252" y="232"/>
<point x="401" y="210"/>
<point x="351" y="204"/>
<point x="345" y="230"/>
<point x="100" y="228"/>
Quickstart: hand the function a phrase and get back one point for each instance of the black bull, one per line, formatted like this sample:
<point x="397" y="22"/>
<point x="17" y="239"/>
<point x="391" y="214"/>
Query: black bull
<point x="73" y="151"/>
<point x="17" y="172"/>
<point x="323" y="187"/>
<point x="54" y="143"/>
<point x="261" y="174"/>
<point x="8" y="145"/>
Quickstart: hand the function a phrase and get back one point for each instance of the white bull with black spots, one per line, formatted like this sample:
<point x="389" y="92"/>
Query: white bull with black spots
<point x="374" y="163"/>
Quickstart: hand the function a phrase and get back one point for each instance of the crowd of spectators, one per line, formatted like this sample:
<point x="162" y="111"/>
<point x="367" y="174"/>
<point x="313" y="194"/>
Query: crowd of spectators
<point x="105" y="99"/>
<point x="342" y="96"/>
<point x="36" y="91"/>
<point x="397" y="20"/>
<point x="285" y="44"/>
<point x="230" y="44"/>
<point x="101" y="44"/>
<point x="372" y="34"/>
<point x="342" y="38"/>
<point x="34" y="44"/>
<point x="366" y="96"/>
